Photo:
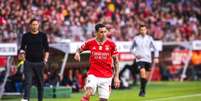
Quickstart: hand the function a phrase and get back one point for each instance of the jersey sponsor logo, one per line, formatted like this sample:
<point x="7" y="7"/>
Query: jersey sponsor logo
<point x="100" y="55"/>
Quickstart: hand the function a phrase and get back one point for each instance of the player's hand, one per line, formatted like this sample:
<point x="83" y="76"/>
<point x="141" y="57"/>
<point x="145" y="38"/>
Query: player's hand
<point x="116" y="82"/>
<point x="156" y="60"/>
<point x="77" y="57"/>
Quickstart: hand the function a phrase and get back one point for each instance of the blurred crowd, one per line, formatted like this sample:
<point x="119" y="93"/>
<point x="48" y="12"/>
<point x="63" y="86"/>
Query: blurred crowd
<point x="167" y="20"/>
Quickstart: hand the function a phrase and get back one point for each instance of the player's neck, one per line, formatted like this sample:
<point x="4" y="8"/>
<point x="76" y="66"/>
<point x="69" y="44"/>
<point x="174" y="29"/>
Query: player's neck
<point x="100" y="39"/>
<point x="143" y="35"/>
<point x="34" y="32"/>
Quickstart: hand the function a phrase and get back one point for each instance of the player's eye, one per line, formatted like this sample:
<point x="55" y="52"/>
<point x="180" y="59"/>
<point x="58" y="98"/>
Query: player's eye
<point x="103" y="31"/>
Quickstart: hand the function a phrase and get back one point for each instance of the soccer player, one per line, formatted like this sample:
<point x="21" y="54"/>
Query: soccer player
<point x="142" y="47"/>
<point x="103" y="55"/>
<point x="35" y="50"/>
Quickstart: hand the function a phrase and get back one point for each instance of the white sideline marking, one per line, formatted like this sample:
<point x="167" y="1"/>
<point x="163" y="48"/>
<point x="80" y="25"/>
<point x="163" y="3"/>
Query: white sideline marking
<point x="176" y="97"/>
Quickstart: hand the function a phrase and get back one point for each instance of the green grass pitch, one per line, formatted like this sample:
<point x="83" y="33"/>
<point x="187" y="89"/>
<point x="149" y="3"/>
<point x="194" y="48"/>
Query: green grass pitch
<point x="156" y="91"/>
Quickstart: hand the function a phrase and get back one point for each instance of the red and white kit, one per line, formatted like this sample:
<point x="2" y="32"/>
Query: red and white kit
<point x="100" y="72"/>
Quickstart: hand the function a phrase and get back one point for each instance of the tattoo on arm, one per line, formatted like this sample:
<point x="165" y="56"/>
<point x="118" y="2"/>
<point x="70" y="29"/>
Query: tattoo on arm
<point x="116" y="65"/>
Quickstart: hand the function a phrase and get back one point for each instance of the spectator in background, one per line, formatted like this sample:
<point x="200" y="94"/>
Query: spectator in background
<point x="53" y="75"/>
<point x="167" y="20"/>
<point x="71" y="79"/>
<point x="196" y="61"/>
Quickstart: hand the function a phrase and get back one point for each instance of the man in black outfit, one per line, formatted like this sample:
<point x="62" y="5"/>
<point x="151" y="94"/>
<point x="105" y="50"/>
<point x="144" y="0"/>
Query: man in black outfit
<point x="34" y="48"/>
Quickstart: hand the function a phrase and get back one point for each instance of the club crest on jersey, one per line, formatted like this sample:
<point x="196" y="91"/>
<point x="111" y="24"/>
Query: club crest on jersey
<point x="107" y="48"/>
<point x="100" y="47"/>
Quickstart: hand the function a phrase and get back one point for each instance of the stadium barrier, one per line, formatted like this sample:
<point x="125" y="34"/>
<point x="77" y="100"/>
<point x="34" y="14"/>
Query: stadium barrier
<point x="53" y="92"/>
<point x="171" y="53"/>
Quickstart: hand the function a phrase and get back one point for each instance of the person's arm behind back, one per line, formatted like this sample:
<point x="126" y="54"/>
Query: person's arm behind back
<point x="156" y="52"/>
<point x="132" y="49"/>
<point x="46" y="48"/>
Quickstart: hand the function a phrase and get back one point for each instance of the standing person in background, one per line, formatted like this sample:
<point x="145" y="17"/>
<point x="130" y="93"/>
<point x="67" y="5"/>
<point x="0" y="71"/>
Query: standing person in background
<point x="35" y="50"/>
<point x="142" y="47"/>
<point x="102" y="57"/>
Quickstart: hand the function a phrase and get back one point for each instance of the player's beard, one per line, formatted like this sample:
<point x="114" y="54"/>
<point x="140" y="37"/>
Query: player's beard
<point x="101" y="38"/>
<point x="34" y="30"/>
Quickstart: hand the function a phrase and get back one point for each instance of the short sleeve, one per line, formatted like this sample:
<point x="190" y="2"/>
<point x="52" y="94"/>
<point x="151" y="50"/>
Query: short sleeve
<point x="85" y="46"/>
<point x="114" y="49"/>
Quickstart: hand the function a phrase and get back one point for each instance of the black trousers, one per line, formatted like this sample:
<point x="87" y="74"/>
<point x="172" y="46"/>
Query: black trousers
<point x="36" y="69"/>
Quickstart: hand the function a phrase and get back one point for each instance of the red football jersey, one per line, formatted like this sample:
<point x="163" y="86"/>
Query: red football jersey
<point x="100" y="57"/>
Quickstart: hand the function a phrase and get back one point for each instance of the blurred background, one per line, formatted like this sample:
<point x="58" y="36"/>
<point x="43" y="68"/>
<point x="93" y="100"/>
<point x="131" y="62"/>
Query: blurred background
<point x="174" y="24"/>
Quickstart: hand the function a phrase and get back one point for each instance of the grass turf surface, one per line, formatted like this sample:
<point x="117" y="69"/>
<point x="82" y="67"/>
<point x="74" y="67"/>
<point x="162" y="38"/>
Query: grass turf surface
<point x="156" y="91"/>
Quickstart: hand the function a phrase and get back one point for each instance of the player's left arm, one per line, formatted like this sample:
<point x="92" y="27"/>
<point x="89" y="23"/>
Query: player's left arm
<point x="46" y="47"/>
<point x="116" y="67"/>
<point x="156" y="52"/>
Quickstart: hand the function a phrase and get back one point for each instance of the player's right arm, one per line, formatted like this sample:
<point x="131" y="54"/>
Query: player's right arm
<point x="156" y="52"/>
<point x="77" y="55"/>
<point x="83" y="47"/>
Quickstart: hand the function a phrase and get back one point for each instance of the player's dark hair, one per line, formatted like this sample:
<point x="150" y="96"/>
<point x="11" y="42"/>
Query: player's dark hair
<point x="32" y="20"/>
<point x="142" y="25"/>
<point x="99" y="26"/>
